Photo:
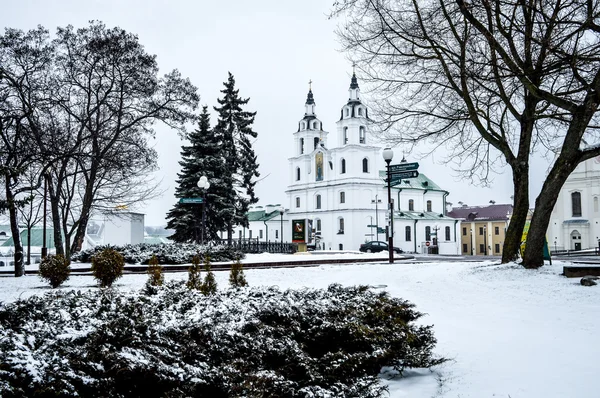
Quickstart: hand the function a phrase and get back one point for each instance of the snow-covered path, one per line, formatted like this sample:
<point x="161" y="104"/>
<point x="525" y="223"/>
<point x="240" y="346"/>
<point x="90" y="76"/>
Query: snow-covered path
<point x="509" y="331"/>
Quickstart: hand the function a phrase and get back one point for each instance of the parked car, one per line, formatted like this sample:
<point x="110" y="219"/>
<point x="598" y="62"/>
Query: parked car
<point x="377" y="246"/>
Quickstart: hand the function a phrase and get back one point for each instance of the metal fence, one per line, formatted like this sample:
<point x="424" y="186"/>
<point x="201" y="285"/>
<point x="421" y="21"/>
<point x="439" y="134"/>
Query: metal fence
<point x="256" y="246"/>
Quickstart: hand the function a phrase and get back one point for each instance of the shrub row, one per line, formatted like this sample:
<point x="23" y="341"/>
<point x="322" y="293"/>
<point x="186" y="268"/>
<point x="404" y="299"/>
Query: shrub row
<point x="176" y="342"/>
<point x="166" y="253"/>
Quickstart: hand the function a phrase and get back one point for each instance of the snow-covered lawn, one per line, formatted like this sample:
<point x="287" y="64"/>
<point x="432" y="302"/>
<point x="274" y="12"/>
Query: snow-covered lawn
<point x="510" y="332"/>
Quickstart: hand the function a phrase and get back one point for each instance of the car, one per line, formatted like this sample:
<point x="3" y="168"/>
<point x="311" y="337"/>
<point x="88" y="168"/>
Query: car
<point x="377" y="246"/>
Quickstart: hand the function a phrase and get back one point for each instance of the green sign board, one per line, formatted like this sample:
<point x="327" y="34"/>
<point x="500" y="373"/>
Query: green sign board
<point x="403" y="167"/>
<point x="190" y="200"/>
<point x="396" y="178"/>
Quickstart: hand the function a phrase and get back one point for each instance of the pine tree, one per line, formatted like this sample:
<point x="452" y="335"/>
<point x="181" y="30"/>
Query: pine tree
<point x="194" y="279"/>
<point x="210" y="283"/>
<point x="236" y="276"/>
<point x="202" y="157"/>
<point x="155" y="272"/>
<point x="240" y="170"/>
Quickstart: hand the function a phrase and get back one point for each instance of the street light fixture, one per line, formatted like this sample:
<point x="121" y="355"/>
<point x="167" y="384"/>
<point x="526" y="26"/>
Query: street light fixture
<point x="281" y="210"/>
<point x="388" y="155"/>
<point x="203" y="184"/>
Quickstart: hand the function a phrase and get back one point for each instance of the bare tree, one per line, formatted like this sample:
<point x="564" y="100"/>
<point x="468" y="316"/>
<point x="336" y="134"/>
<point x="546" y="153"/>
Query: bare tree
<point x="490" y="81"/>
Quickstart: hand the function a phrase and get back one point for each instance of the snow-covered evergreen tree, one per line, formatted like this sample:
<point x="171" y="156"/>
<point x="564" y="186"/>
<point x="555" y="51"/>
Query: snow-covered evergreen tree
<point x="202" y="157"/>
<point x="234" y="129"/>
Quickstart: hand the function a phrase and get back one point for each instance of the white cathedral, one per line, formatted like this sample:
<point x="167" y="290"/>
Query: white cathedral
<point x="340" y="188"/>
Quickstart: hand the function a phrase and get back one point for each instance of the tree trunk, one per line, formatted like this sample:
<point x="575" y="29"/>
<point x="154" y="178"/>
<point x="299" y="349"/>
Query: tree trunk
<point x="28" y="244"/>
<point x="514" y="232"/>
<point x="14" y="229"/>
<point x="544" y="203"/>
<point x="84" y="217"/>
<point x="58" y="241"/>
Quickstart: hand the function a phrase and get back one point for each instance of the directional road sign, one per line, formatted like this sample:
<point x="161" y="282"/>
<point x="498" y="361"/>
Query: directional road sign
<point x="405" y="174"/>
<point x="371" y="226"/>
<point x="190" y="200"/>
<point x="398" y="168"/>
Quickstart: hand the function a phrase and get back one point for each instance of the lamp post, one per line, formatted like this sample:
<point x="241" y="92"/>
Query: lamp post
<point x="388" y="155"/>
<point x="484" y="240"/>
<point x="471" y="240"/>
<point x="376" y="201"/>
<point x="281" y="210"/>
<point x="436" y="240"/>
<point x="203" y="184"/>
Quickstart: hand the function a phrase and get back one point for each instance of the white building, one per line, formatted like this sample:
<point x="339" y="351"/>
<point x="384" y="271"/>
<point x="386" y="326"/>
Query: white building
<point x="118" y="229"/>
<point x="339" y="186"/>
<point x="574" y="220"/>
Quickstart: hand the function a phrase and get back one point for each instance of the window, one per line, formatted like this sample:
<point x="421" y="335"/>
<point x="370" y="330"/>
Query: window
<point x="496" y="230"/>
<point x="465" y="248"/>
<point x="576" y="204"/>
<point x="276" y="234"/>
<point x="480" y="230"/>
<point x="341" y="226"/>
<point x="260" y="233"/>
<point x="464" y="231"/>
<point x="297" y="202"/>
<point x="249" y="234"/>
<point x="301" y="146"/>
<point x="342" y="197"/>
<point x="303" y="125"/>
<point x="365" y="165"/>
<point x="345" y="135"/>
<point x="429" y="205"/>
<point x="314" y="125"/>
<point x="341" y="246"/>
<point x="297" y="173"/>
<point x="361" y="135"/>
<point x="318" y="205"/>
<point x="447" y="230"/>
<point x="343" y="166"/>
<point x="411" y="205"/>
<point x="497" y="247"/>
<point x="407" y="234"/>
<point x="481" y="248"/>
<point x="359" y="111"/>
<point x="427" y="233"/>
<point x="318" y="224"/>
<point x="347" y="111"/>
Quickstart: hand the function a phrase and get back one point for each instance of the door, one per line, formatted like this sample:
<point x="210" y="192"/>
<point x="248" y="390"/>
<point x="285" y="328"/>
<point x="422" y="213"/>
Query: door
<point x="577" y="245"/>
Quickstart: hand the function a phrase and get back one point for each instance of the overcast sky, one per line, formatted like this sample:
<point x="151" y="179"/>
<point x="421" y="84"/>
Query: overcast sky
<point x="273" y="48"/>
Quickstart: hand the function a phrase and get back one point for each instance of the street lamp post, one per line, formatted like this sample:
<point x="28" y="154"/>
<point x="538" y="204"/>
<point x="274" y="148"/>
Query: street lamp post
<point x="484" y="240"/>
<point x="376" y="201"/>
<point x="471" y="240"/>
<point x="388" y="155"/>
<point x="436" y="241"/>
<point x="203" y="184"/>
<point x="281" y="210"/>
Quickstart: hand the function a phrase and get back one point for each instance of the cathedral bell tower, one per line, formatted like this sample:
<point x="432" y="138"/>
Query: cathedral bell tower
<point x="352" y="126"/>
<point x="310" y="132"/>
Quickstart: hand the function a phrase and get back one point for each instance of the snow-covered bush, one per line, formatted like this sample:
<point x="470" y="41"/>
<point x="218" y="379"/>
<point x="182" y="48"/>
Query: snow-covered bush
<point x="236" y="276"/>
<point x="55" y="270"/>
<point x="194" y="274"/>
<point x="209" y="286"/>
<point x="155" y="273"/>
<point x="235" y="343"/>
<point x="107" y="267"/>
<point x="166" y="253"/>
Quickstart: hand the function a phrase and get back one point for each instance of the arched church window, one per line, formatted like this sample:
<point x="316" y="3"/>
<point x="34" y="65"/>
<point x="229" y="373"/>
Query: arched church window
<point x="303" y="125"/>
<point x="342" y="197"/>
<point x="595" y="204"/>
<point x="318" y="224"/>
<point x="316" y="142"/>
<point x="411" y="205"/>
<point x="447" y="237"/>
<point x="297" y="173"/>
<point x="343" y="167"/>
<point x="345" y="135"/>
<point x="429" y="205"/>
<point x="407" y="234"/>
<point x="365" y="164"/>
<point x="318" y="204"/>
<point x="319" y="166"/>
<point x="341" y="225"/>
<point x="297" y="201"/>
<point x="359" y="111"/>
<point x="347" y="111"/>
<point x="427" y="233"/>
<point x="314" y="125"/>
<point x="361" y="135"/>
<point x="301" y="146"/>
<point x="576" y="204"/>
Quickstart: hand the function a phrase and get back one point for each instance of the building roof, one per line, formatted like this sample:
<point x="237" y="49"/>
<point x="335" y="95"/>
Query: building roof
<point x="261" y="215"/>
<point x="493" y="212"/>
<point x="36" y="238"/>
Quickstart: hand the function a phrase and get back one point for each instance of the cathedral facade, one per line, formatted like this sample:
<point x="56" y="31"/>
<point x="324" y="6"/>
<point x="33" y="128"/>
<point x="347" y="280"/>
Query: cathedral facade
<point x="338" y="184"/>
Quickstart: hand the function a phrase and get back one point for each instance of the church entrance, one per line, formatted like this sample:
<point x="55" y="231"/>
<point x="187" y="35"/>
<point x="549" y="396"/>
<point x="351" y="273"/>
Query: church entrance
<point x="575" y="240"/>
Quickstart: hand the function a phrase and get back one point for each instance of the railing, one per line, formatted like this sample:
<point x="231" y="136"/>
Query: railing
<point x="256" y="246"/>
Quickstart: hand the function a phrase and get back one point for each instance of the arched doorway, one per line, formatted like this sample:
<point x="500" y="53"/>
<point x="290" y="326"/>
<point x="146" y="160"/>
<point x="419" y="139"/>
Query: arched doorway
<point x="575" y="240"/>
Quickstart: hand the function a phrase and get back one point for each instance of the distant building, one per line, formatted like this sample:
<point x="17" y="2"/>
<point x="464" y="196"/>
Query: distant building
<point x="574" y="223"/>
<point x="482" y="228"/>
<point x="116" y="229"/>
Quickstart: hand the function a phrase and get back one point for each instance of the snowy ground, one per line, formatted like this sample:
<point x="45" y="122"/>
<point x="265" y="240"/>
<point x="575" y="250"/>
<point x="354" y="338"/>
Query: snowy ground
<point x="510" y="332"/>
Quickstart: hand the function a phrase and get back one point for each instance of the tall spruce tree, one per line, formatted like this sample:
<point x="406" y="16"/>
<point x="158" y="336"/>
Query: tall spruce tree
<point x="202" y="157"/>
<point x="234" y="131"/>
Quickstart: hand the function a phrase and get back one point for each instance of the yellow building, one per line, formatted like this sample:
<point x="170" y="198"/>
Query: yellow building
<point x="482" y="228"/>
